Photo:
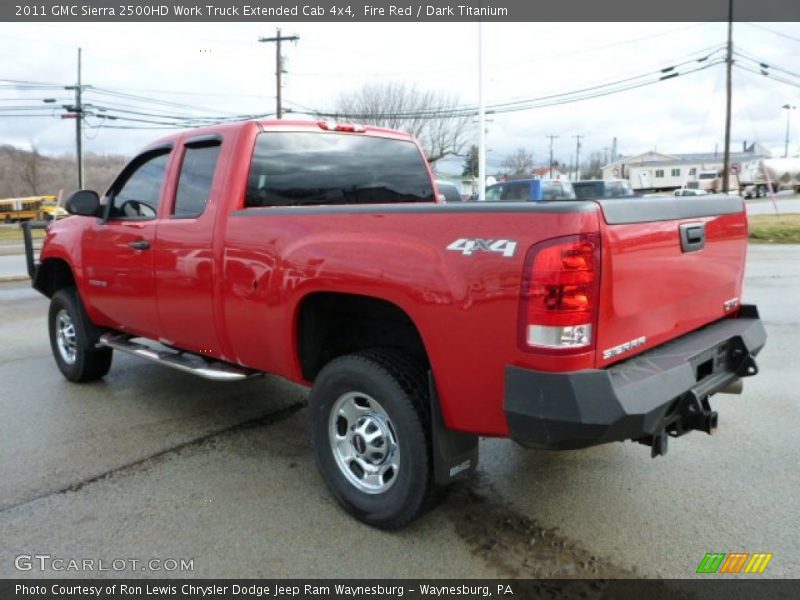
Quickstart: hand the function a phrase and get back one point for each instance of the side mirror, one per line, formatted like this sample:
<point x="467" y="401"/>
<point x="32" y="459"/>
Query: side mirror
<point x="84" y="203"/>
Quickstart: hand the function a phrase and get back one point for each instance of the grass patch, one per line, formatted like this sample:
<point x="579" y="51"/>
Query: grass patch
<point x="13" y="233"/>
<point x="775" y="229"/>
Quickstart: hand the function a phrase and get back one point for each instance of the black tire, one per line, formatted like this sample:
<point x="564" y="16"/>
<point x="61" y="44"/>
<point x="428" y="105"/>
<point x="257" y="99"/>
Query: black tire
<point x="88" y="363"/>
<point x="389" y="381"/>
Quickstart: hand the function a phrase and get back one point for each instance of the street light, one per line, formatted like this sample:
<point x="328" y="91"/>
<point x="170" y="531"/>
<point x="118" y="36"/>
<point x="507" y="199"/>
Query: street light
<point x="789" y="108"/>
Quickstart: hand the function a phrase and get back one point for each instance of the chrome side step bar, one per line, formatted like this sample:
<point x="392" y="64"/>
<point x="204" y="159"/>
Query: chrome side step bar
<point x="182" y="361"/>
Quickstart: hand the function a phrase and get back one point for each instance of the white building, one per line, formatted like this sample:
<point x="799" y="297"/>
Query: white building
<point x="656" y="171"/>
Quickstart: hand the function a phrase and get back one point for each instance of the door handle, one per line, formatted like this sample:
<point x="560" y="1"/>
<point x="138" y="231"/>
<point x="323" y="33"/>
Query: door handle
<point x="139" y="245"/>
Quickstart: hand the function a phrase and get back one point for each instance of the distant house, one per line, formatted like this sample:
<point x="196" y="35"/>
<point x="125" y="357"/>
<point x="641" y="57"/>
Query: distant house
<point x="657" y="171"/>
<point x="545" y="173"/>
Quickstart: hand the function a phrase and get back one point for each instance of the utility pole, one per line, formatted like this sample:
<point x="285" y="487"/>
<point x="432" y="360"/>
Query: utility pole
<point x="726" y="162"/>
<point x="552" y="137"/>
<point x="789" y="108"/>
<point x="79" y="124"/>
<point x="279" y="65"/>
<point x="578" y="157"/>
<point x="76" y="112"/>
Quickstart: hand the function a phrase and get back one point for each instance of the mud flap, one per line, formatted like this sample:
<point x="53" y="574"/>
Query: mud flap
<point x="455" y="453"/>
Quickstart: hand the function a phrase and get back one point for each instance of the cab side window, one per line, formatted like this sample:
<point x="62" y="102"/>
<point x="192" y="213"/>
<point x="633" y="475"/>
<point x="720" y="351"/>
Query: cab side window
<point x="196" y="177"/>
<point x="137" y="194"/>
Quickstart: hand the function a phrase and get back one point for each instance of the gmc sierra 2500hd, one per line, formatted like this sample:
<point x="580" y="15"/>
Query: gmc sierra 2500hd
<point x="319" y="252"/>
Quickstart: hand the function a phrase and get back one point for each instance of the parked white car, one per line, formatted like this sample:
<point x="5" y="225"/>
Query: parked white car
<point x="691" y="192"/>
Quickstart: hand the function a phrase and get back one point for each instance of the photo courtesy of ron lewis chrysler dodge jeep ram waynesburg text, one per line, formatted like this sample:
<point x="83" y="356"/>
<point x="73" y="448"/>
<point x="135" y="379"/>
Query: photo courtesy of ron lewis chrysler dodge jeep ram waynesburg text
<point x="320" y="252"/>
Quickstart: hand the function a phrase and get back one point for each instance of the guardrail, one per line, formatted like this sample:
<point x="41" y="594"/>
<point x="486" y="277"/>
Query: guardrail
<point x="30" y="260"/>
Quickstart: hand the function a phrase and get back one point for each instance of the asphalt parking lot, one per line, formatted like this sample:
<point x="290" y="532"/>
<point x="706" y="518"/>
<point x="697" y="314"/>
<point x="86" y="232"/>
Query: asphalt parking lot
<point x="152" y="463"/>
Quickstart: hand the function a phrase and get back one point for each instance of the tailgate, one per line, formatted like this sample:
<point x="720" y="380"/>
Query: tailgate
<point x="670" y="265"/>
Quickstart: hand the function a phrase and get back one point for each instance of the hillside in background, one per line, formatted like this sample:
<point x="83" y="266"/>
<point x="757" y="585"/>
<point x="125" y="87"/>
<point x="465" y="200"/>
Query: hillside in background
<point x="31" y="173"/>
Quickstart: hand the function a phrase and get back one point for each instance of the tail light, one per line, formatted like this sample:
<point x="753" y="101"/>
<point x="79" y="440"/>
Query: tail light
<point x="560" y="293"/>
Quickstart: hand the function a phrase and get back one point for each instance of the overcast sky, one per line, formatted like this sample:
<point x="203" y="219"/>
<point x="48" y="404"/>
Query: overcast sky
<point x="224" y="69"/>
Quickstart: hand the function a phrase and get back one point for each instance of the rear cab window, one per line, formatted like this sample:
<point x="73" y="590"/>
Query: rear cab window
<point x="310" y="168"/>
<point x="196" y="176"/>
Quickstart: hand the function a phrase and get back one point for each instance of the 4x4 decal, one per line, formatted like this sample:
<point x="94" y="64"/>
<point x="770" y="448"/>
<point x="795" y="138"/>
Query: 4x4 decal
<point x="468" y="246"/>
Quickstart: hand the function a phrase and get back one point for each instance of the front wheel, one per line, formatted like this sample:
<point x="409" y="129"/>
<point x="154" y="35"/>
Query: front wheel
<point x="72" y="339"/>
<point x="370" y="435"/>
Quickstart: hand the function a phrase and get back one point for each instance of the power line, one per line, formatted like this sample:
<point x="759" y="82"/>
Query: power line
<point x="784" y="35"/>
<point x="704" y="54"/>
<point x="25" y="82"/>
<point x="466" y="110"/>
<point x="663" y="73"/>
<point x="109" y="92"/>
<point x="532" y="103"/>
<point x="765" y="65"/>
<point x="768" y="75"/>
<point x="501" y="65"/>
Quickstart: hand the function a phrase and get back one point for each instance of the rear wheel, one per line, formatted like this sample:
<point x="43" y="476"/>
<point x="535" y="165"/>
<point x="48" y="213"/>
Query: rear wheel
<point x="370" y="435"/>
<point x="72" y="339"/>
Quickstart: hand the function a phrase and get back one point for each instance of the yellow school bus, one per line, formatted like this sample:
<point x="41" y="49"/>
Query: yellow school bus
<point x="45" y="208"/>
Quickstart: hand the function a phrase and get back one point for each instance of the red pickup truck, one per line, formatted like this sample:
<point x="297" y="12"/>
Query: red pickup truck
<point x="320" y="252"/>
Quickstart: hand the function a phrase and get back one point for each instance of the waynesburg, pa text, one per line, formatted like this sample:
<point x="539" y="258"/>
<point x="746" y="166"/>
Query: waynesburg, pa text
<point x="256" y="590"/>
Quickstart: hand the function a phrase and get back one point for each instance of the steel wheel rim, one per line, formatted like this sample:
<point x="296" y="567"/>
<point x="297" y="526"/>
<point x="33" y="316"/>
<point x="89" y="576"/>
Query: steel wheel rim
<point x="364" y="443"/>
<point x="66" y="337"/>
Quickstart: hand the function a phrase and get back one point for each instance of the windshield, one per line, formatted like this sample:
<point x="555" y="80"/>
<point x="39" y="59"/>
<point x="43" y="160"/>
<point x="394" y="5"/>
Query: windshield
<point x="308" y="168"/>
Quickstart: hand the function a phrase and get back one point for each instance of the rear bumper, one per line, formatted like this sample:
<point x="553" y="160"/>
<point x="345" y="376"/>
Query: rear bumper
<point x="659" y="393"/>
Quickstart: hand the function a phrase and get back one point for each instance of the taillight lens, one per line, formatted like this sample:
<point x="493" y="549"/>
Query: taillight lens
<point x="559" y="296"/>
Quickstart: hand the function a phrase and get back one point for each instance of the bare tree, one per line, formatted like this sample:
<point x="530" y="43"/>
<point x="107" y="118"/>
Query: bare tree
<point x="31" y="173"/>
<point x="593" y="169"/>
<point x="519" y="164"/>
<point x="30" y="170"/>
<point x="428" y="115"/>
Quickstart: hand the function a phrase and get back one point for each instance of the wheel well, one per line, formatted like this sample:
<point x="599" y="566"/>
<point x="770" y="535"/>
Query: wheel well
<point x="52" y="275"/>
<point x="332" y="324"/>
